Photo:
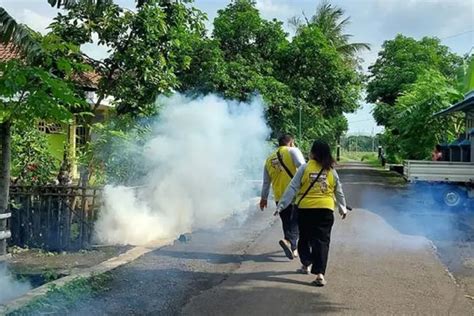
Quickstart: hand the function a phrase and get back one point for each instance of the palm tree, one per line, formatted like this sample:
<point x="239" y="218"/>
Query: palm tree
<point x="17" y="35"/>
<point x="332" y="23"/>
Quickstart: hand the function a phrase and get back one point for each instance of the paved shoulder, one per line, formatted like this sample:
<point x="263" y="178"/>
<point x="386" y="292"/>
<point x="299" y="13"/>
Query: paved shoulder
<point x="373" y="269"/>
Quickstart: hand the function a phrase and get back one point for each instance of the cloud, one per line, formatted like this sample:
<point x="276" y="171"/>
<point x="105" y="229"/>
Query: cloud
<point x="36" y="14"/>
<point x="275" y="8"/>
<point x="429" y="17"/>
<point x="34" y="20"/>
<point x="95" y="50"/>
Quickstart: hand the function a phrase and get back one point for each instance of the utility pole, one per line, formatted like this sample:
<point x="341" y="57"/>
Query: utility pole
<point x="373" y="140"/>
<point x="300" y="118"/>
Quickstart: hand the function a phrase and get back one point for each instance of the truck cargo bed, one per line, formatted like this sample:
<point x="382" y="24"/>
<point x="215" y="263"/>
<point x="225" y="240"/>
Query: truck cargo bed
<point x="440" y="171"/>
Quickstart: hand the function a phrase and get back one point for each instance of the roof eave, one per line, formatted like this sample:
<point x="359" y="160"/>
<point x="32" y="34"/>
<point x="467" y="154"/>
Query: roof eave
<point x="463" y="105"/>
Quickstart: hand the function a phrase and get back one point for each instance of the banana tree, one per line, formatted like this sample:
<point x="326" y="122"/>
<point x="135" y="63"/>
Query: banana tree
<point x="468" y="82"/>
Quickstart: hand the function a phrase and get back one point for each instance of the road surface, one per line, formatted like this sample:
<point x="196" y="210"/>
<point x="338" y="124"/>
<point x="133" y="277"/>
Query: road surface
<point x="377" y="266"/>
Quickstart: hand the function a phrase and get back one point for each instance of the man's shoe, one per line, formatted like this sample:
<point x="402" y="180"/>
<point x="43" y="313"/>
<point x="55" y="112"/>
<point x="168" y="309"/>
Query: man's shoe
<point x="285" y="244"/>
<point x="304" y="269"/>
<point x="295" y="253"/>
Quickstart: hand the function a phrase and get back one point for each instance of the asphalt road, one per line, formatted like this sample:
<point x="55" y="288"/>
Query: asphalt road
<point x="379" y="264"/>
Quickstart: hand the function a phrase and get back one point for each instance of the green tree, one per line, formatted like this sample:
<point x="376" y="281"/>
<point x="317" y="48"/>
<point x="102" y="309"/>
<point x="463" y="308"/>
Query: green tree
<point x="466" y="74"/>
<point x="401" y="61"/>
<point x="331" y="22"/>
<point x="28" y="93"/>
<point x="240" y="60"/>
<point x="318" y="74"/>
<point x="117" y="153"/>
<point x="243" y="33"/>
<point x="147" y="47"/>
<point x="362" y="143"/>
<point x="32" y="161"/>
<point x="248" y="54"/>
<point x="148" y="50"/>
<point x="431" y="93"/>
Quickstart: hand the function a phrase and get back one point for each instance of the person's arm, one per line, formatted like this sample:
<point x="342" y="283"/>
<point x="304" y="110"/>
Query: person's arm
<point x="292" y="189"/>
<point x="338" y="192"/>
<point x="265" y="188"/>
<point x="297" y="157"/>
<point x="339" y="195"/>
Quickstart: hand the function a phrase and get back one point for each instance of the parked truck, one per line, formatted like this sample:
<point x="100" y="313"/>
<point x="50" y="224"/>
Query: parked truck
<point x="451" y="181"/>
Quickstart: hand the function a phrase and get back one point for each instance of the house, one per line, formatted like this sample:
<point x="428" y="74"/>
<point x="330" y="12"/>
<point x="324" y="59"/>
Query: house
<point x="74" y="134"/>
<point x="462" y="149"/>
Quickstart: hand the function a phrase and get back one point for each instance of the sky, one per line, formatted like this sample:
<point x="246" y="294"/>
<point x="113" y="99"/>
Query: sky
<point x="372" y="21"/>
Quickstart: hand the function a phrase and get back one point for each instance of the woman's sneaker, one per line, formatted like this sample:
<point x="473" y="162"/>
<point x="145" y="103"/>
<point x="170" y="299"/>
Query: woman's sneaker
<point x="320" y="281"/>
<point x="304" y="269"/>
<point x="285" y="244"/>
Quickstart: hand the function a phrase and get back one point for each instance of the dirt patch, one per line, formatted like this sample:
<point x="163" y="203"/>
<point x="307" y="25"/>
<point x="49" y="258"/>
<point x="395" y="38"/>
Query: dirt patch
<point x="39" y="266"/>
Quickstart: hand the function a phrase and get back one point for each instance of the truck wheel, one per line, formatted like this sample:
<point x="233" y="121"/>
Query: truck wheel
<point x="454" y="198"/>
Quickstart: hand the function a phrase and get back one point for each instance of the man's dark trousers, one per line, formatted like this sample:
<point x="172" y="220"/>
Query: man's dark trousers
<point x="289" y="219"/>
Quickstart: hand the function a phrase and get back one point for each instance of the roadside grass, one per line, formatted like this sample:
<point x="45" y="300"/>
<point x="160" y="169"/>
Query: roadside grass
<point x="59" y="298"/>
<point x="359" y="156"/>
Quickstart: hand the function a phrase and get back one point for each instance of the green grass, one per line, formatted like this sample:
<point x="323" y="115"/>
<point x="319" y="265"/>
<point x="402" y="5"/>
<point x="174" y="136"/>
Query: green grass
<point x="58" y="299"/>
<point x="360" y="156"/>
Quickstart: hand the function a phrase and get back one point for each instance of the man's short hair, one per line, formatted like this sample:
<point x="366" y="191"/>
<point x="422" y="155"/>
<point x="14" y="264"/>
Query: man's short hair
<point x="285" y="139"/>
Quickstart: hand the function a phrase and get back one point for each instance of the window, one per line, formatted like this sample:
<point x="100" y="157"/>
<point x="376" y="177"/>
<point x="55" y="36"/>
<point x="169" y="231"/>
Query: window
<point x="49" y="128"/>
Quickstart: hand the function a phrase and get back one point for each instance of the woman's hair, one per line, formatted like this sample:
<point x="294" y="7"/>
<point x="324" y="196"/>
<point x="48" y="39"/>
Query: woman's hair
<point x="322" y="154"/>
<point x="438" y="147"/>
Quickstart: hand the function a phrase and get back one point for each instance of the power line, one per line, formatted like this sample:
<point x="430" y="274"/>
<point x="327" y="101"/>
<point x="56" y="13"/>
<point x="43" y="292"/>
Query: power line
<point x="458" y="34"/>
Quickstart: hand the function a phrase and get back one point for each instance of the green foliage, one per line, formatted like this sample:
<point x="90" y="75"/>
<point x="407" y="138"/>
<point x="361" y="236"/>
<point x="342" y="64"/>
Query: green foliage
<point x="318" y="74"/>
<point x="116" y="154"/>
<point x="248" y="54"/>
<point x="147" y="46"/>
<point x="241" y="32"/>
<point x="41" y="87"/>
<point x="413" y="113"/>
<point x="30" y="92"/>
<point x="20" y="35"/>
<point x="38" y="87"/>
<point x="32" y="161"/>
<point x="401" y="61"/>
<point x="360" y="143"/>
<point x="58" y="299"/>
<point x="370" y="158"/>
<point x="466" y="75"/>
<point x="330" y="20"/>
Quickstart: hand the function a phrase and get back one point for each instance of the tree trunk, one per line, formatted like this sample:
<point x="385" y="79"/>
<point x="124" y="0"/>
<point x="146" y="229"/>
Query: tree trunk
<point x="5" y="144"/>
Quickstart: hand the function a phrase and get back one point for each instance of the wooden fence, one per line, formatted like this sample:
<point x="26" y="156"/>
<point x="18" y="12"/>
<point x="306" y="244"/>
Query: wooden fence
<point x="53" y="217"/>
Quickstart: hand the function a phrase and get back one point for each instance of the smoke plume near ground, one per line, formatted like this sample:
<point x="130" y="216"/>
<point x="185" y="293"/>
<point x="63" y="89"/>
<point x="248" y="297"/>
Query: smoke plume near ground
<point x="10" y="288"/>
<point x="200" y="156"/>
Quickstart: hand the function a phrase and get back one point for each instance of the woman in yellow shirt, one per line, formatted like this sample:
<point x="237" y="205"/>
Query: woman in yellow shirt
<point x="318" y="192"/>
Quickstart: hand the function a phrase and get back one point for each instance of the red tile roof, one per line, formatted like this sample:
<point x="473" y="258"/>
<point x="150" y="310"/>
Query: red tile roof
<point x="88" y="79"/>
<point x="8" y="52"/>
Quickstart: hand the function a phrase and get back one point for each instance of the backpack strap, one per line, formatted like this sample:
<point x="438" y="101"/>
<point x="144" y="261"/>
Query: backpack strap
<point x="310" y="186"/>
<point x="280" y="159"/>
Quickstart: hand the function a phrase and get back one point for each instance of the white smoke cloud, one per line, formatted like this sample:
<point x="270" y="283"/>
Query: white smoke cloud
<point x="10" y="288"/>
<point x="201" y="154"/>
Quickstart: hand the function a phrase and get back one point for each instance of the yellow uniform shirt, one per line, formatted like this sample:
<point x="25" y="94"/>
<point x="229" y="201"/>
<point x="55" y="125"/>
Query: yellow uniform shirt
<point x="279" y="177"/>
<point x="321" y="195"/>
